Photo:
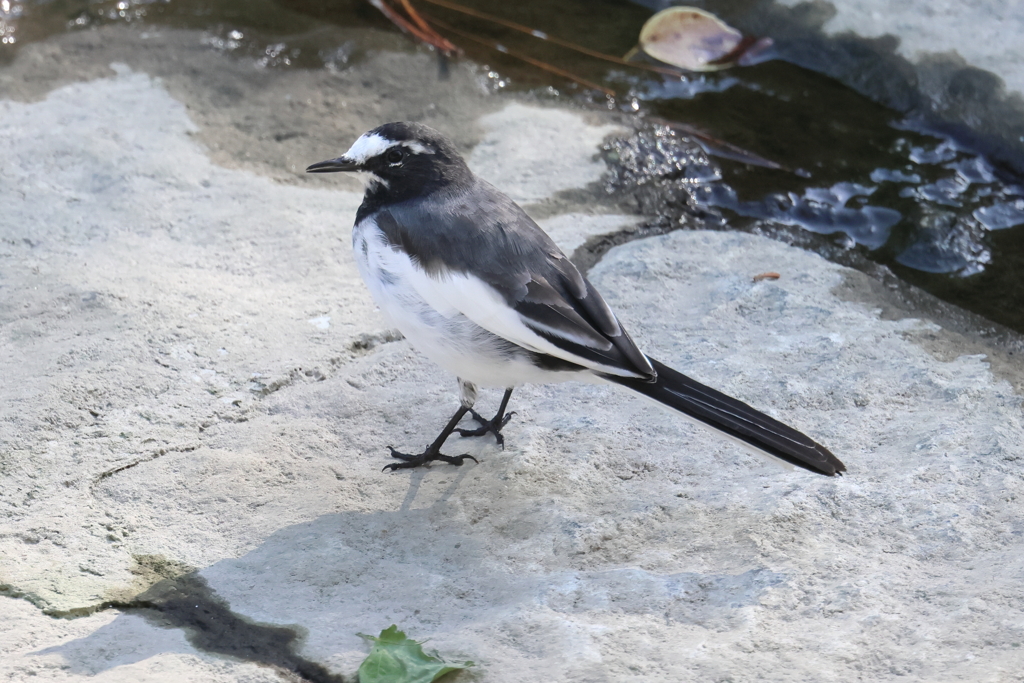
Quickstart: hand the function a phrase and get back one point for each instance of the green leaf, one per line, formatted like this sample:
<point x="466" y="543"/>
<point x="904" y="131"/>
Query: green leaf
<point x="395" y="658"/>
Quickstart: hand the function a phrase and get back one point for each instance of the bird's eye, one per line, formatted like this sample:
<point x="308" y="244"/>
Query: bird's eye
<point x="394" y="156"/>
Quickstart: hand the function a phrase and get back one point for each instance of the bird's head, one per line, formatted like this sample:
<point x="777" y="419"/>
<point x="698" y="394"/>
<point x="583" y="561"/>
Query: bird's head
<point x="402" y="159"/>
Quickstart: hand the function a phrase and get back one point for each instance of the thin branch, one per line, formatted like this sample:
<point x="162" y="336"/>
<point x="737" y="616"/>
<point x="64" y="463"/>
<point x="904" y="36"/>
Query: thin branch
<point x="551" y="39"/>
<point x="719" y="148"/>
<point x="494" y="45"/>
<point x="415" y="16"/>
<point x="426" y="28"/>
<point x="401" y="22"/>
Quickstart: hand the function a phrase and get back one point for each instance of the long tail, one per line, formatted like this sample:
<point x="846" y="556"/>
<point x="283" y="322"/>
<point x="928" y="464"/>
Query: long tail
<point x="734" y="418"/>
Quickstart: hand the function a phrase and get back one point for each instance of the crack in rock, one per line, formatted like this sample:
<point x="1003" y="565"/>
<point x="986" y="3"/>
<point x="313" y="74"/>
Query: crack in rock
<point x="366" y="342"/>
<point x="160" y="452"/>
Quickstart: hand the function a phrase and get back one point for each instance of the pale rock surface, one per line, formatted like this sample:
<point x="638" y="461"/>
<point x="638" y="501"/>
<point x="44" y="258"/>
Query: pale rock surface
<point x="572" y="230"/>
<point x="194" y="377"/>
<point x="138" y="284"/>
<point x="986" y="33"/>
<point x="533" y="153"/>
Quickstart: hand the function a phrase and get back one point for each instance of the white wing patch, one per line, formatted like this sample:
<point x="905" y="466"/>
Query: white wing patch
<point x="482" y="304"/>
<point x="452" y="319"/>
<point x="589" y="342"/>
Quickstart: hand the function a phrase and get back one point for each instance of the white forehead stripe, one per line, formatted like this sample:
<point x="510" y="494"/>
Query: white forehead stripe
<point x="368" y="146"/>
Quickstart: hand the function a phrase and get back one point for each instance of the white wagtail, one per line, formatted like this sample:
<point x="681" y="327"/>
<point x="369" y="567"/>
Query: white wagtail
<point x="479" y="288"/>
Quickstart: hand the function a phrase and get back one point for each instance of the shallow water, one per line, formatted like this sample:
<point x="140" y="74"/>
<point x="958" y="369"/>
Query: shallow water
<point x="870" y="179"/>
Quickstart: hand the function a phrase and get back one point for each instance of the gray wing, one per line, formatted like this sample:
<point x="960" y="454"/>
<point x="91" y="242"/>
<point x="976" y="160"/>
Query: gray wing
<point x="485" y="234"/>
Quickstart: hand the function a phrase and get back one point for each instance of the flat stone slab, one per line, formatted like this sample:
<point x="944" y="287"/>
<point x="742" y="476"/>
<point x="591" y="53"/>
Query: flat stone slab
<point x="197" y="394"/>
<point x="983" y="32"/>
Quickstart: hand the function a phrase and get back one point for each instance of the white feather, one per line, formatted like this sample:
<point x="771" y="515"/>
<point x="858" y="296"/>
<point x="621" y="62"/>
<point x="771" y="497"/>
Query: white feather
<point x="418" y="147"/>
<point x="367" y="146"/>
<point x="482" y="304"/>
<point x="422" y="303"/>
<point x="418" y="306"/>
<point x="370" y="145"/>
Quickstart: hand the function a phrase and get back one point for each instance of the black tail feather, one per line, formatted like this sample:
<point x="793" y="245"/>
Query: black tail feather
<point x="735" y="418"/>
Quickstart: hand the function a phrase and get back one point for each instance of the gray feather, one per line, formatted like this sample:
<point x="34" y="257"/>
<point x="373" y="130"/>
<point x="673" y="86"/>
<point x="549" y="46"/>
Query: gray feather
<point x="491" y="238"/>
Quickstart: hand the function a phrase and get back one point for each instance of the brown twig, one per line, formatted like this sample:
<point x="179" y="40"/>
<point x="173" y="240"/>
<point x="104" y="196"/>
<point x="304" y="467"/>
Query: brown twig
<point x="766" y="276"/>
<point x="426" y="28"/>
<point x="746" y="42"/>
<point x="430" y="37"/>
<point x="415" y="16"/>
<point x="551" y="39"/>
<point x="717" y="147"/>
<point x="494" y="45"/>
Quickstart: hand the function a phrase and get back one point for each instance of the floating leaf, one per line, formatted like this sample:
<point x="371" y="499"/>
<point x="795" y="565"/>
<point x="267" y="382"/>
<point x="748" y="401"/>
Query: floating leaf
<point x="693" y="39"/>
<point x="398" y="659"/>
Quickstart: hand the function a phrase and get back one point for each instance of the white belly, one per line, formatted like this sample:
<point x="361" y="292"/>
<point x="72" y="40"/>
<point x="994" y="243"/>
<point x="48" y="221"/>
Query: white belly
<point x="446" y="337"/>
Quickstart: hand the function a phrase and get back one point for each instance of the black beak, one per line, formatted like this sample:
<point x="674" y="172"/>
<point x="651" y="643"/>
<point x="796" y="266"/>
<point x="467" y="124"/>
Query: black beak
<point x="334" y="166"/>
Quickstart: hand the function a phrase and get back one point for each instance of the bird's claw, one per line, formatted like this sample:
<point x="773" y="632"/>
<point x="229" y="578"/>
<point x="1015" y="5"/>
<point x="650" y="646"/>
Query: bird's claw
<point x="411" y="461"/>
<point x="488" y="426"/>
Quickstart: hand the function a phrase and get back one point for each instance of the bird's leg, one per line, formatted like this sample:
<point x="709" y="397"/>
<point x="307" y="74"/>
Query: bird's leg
<point x="433" y="451"/>
<point x="467" y="397"/>
<point x="494" y="425"/>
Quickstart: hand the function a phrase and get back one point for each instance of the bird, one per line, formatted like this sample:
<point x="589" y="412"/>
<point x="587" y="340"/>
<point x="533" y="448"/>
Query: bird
<point x="480" y="289"/>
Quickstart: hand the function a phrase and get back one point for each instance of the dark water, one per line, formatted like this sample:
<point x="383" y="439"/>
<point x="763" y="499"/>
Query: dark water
<point x="870" y="179"/>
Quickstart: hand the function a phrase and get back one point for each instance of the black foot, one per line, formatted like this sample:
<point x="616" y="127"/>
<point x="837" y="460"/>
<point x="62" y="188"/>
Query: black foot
<point x="429" y="455"/>
<point x="493" y="426"/>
